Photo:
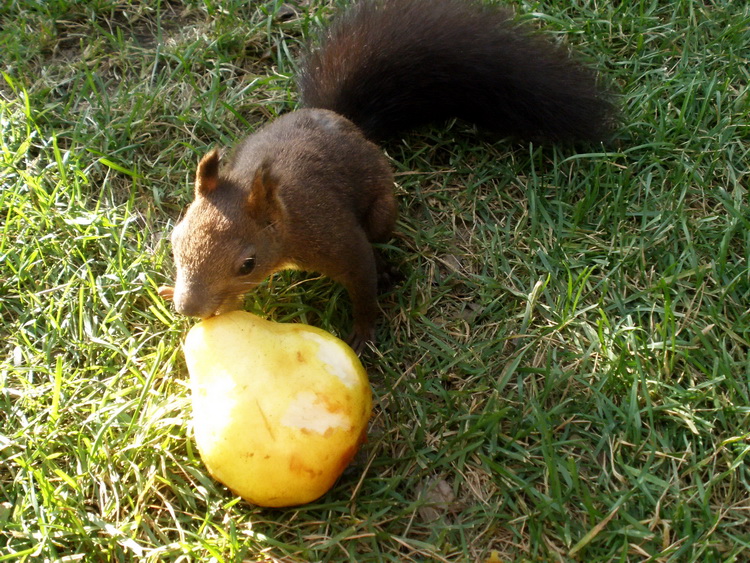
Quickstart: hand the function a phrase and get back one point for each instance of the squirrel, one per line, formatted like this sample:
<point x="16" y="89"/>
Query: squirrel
<point x="311" y="189"/>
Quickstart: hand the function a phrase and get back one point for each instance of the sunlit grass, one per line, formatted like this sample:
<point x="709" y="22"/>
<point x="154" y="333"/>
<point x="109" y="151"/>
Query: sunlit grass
<point x="566" y="355"/>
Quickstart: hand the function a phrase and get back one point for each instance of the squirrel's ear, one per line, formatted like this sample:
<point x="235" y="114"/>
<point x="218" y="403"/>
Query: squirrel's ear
<point x="263" y="199"/>
<point x="207" y="176"/>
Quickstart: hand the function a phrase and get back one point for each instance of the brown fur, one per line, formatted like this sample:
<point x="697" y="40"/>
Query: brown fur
<point x="306" y="191"/>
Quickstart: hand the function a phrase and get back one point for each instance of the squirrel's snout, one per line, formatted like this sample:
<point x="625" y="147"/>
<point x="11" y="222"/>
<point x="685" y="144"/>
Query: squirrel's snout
<point x="190" y="309"/>
<point x="192" y="303"/>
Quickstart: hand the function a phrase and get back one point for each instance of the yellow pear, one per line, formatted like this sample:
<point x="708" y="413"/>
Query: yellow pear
<point x="279" y="410"/>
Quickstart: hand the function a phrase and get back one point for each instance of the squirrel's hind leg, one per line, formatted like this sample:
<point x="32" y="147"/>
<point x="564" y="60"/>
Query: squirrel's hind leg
<point x="379" y="224"/>
<point x="381" y="216"/>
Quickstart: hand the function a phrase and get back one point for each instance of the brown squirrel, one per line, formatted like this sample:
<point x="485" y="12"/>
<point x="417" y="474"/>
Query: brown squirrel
<point x="312" y="191"/>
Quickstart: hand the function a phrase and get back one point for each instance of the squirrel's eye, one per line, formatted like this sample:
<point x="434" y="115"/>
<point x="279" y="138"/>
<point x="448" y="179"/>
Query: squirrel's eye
<point x="247" y="266"/>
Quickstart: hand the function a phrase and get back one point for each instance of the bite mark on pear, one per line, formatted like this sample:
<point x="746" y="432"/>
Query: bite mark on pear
<point x="308" y="412"/>
<point x="335" y="359"/>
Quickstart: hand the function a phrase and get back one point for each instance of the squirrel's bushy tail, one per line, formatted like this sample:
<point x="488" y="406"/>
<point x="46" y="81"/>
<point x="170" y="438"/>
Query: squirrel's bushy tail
<point x="390" y="65"/>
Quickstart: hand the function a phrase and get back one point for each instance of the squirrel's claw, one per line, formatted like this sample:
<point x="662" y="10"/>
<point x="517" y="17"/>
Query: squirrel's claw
<point x="166" y="292"/>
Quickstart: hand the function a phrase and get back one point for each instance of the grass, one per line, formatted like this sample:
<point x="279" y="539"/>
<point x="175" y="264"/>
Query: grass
<point x="562" y="375"/>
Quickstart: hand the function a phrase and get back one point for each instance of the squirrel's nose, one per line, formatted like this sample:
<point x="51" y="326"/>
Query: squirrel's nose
<point x="193" y="303"/>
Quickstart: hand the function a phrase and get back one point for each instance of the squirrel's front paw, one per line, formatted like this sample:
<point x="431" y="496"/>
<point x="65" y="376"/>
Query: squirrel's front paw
<point x="166" y="292"/>
<point x="359" y="338"/>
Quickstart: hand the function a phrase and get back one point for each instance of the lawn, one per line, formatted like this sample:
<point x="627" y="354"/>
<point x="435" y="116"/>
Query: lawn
<point x="562" y="373"/>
